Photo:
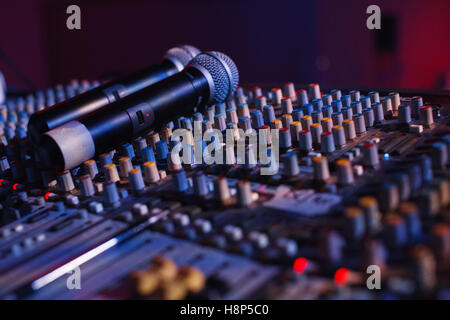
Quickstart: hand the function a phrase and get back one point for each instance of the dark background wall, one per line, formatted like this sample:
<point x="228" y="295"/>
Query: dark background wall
<point x="271" y="41"/>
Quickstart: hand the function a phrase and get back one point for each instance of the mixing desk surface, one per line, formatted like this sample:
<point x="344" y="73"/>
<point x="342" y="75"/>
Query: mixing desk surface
<point x="357" y="207"/>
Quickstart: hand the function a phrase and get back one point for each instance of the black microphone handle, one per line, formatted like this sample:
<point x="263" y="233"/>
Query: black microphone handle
<point x="96" y="98"/>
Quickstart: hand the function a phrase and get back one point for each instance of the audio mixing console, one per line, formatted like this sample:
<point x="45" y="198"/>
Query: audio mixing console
<point x="362" y="190"/>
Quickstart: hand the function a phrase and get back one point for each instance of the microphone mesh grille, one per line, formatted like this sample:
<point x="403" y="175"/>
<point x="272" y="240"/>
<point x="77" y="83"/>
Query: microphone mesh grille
<point x="182" y="54"/>
<point x="225" y="82"/>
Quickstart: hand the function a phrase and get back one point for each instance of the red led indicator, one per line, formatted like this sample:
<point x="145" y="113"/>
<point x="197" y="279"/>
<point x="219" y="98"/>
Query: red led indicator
<point x="341" y="276"/>
<point x="47" y="195"/>
<point x="15" y="186"/>
<point x="1" y="182"/>
<point x="147" y="114"/>
<point x="300" y="265"/>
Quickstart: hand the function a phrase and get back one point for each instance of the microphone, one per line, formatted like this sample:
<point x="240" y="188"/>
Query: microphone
<point x="174" y="61"/>
<point x="2" y="88"/>
<point x="210" y="78"/>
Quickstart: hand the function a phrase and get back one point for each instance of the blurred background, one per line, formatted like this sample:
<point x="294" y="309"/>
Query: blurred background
<point x="323" y="41"/>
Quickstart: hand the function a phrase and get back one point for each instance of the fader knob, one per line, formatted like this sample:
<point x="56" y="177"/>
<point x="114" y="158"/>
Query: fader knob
<point x="337" y="105"/>
<point x="257" y="91"/>
<point x="387" y="105"/>
<point x="355" y="94"/>
<point x="289" y="91"/>
<point x="307" y="109"/>
<point x="439" y="155"/>
<point x="232" y="115"/>
<point x="395" y="98"/>
<point x="365" y="102"/>
<point x="339" y="136"/>
<point x="302" y="97"/>
<point x="306" y="122"/>
<point x="371" y="213"/>
<point x="110" y="193"/>
<point x="297" y="114"/>
<point x="347" y="112"/>
<point x="305" y="140"/>
<point x="369" y="117"/>
<point x="220" y="122"/>
<point x="86" y="186"/>
<point x="331" y="246"/>
<point x="416" y="104"/>
<point x="370" y="154"/>
<point x="321" y="170"/>
<point x="221" y="190"/>
<point x="125" y="166"/>
<point x="148" y="154"/>
<point x="111" y="172"/>
<point x="257" y="119"/>
<point x="65" y="181"/>
<point x="388" y="196"/>
<point x="410" y="213"/>
<point x="244" y="193"/>
<point x="426" y="116"/>
<point x="269" y="114"/>
<point x="327" y="124"/>
<point x="286" y="119"/>
<point x="424" y="269"/>
<point x="346" y="100"/>
<point x="374" y="96"/>
<point x="161" y="150"/>
<point x="404" y="114"/>
<point x="181" y="183"/>
<point x="317" y="116"/>
<point x="349" y="129"/>
<point x="277" y="95"/>
<point x="285" y="138"/>
<point x="327" y="99"/>
<point x="290" y="164"/>
<point x="441" y="241"/>
<point x="200" y="184"/>
<point x="286" y="105"/>
<point x="295" y="128"/>
<point x="314" y="91"/>
<point x="136" y="179"/>
<point x="355" y="225"/>
<point x="317" y="104"/>
<point x="316" y="133"/>
<point x="360" y="125"/>
<point x="337" y="118"/>
<point x="378" y="112"/>
<point x="336" y="93"/>
<point x="90" y="168"/>
<point x="395" y="231"/>
<point x="327" y="111"/>
<point x="151" y="172"/>
<point x="327" y="142"/>
<point x="344" y="172"/>
<point x="261" y="101"/>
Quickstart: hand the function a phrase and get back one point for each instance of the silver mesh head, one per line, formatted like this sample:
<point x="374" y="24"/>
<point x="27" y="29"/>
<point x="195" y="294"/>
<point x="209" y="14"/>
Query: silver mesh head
<point x="223" y="71"/>
<point x="181" y="55"/>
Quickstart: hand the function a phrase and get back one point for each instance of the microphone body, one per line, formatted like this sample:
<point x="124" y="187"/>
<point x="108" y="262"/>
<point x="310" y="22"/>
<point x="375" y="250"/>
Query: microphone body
<point x="92" y="100"/>
<point x="199" y="84"/>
